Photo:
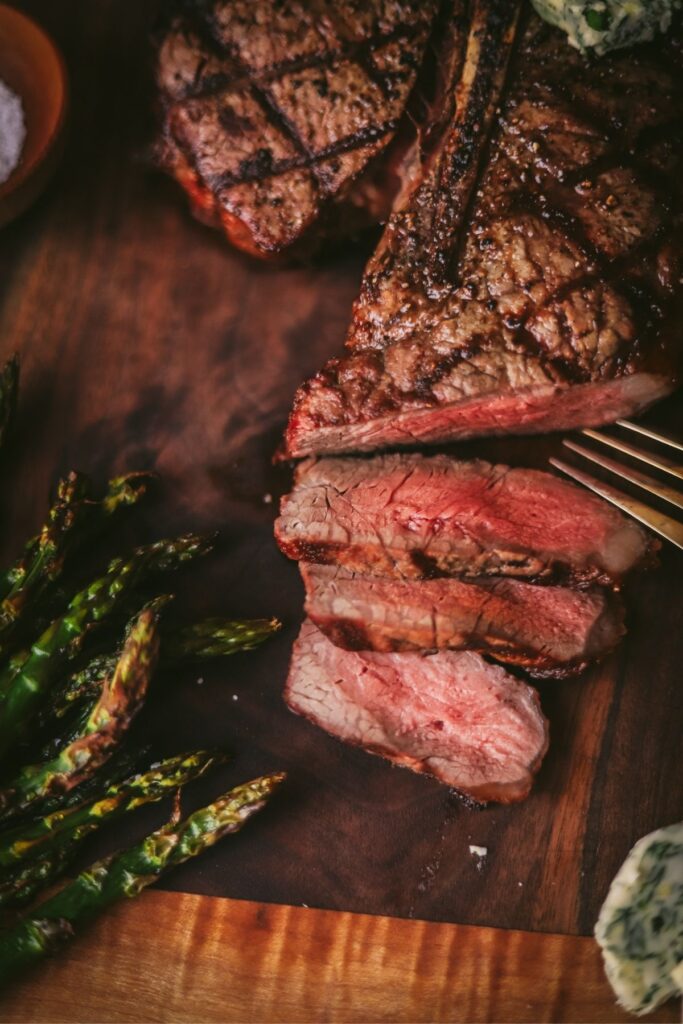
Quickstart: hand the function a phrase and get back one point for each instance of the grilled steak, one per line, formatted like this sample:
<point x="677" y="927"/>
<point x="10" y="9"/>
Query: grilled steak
<point x="549" y="631"/>
<point x="452" y="715"/>
<point x="530" y="279"/>
<point x="272" y="109"/>
<point x="415" y="516"/>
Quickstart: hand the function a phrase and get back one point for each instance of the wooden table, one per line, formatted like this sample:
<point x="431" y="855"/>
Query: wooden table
<point x="146" y="343"/>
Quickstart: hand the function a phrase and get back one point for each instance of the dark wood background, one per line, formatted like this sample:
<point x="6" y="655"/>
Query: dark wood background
<point x="147" y="343"/>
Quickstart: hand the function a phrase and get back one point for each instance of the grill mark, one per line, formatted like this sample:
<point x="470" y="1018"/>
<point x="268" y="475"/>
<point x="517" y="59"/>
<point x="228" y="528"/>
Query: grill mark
<point x="646" y="309"/>
<point x="657" y="181"/>
<point x="562" y="92"/>
<point x="617" y="154"/>
<point x="558" y="366"/>
<point x="466" y="158"/>
<point x="275" y="115"/>
<point x="424" y="384"/>
<point x="551" y="212"/>
<point x="376" y="76"/>
<point x="364" y="55"/>
<point x="617" y="270"/>
<point x="253" y="172"/>
<point x="261" y="166"/>
<point x="284" y="125"/>
<point x="351" y="50"/>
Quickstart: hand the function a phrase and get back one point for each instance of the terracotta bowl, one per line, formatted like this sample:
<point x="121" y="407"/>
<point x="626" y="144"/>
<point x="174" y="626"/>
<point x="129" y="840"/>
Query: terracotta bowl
<point x="32" y="66"/>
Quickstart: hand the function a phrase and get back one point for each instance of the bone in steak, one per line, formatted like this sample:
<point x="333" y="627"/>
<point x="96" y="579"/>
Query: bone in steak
<point x="416" y="516"/>
<point x="552" y="632"/>
<point x="272" y="110"/>
<point x="530" y="278"/>
<point x="451" y="715"/>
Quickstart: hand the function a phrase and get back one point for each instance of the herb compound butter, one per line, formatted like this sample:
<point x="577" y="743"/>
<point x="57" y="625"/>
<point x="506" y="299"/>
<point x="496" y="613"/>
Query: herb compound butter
<point x="597" y="26"/>
<point x="640" y="928"/>
<point x="12" y="131"/>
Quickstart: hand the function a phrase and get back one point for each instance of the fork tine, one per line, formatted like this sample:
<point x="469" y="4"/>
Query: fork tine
<point x="665" y="465"/>
<point x="648" y="483"/>
<point x="652" y="434"/>
<point x="665" y="526"/>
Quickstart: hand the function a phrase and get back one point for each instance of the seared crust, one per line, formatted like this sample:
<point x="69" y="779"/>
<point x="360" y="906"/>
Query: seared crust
<point x="530" y="282"/>
<point x="412" y="516"/>
<point x="277" y="108"/>
<point x="551" y="632"/>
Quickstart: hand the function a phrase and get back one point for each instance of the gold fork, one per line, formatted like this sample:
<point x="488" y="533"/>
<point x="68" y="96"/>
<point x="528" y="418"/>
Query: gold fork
<point x="663" y="525"/>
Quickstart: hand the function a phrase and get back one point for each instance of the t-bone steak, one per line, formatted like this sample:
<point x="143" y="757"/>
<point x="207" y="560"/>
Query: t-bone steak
<point x="417" y="516"/>
<point x="451" y="715"/>
<point x="530" y="278"/>
<point x="552" y="632"/>
<point x="273" y="109"/>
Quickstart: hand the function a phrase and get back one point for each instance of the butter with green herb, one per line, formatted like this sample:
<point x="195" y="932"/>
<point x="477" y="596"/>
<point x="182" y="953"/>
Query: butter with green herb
<point x="640" y="927"/>
<point x="598" y="26"/>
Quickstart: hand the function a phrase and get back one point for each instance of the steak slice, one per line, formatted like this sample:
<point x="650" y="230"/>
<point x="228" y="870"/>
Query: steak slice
<point x="414" y="516"/>
<point x="273" y="110"/>
<point x="549" y="631"/>
<point x="451" y="715"/>
<point x="530" y="279"/>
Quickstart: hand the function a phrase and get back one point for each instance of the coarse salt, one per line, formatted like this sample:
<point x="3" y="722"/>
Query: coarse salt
<point x="479" y="853"/>
<point x="12" y="131"/>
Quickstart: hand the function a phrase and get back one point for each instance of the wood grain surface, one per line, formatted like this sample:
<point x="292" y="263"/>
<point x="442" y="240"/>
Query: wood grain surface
<point x="189" y="958"/>
<point x="146" y="343"/>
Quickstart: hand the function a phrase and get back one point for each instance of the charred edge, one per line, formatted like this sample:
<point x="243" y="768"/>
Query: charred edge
<point x="311" y="551"/>
<point x="257" y="168"/>
<point x="352" y="636"/>
<point x="344" y="633"/>
<point x="427" y="567"/>
<point x="472" y="136"/>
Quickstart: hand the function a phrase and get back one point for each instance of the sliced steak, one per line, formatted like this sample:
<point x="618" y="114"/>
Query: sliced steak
<point x="452" y="715"/>
<point x="273" y="110"/>
<point x="530" y="279"/>
<point x="415" y="516"/>
<point x="549" y="631"/>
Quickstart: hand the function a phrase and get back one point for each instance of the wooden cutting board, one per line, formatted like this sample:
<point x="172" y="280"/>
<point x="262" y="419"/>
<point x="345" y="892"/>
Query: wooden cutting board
<point x="176" y="958"/>
<point x="146" y="343"/>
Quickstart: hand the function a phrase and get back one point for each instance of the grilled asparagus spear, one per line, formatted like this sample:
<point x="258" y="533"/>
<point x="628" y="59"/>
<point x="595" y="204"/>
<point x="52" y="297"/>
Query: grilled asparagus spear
<point x="19" y="887"/>
<point x="209" y="638"/>
<point x="71" y="492"/>
<point x="215" y="637"/>
<point x="37" y="838"/>
<point x="121" y="698"/>
<point x="72" y="517"/>
<point x="120" y="765"/>
<point x="57" y="919"/>
<point x="74" y="726"/>
<point x="26" y="681"/>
